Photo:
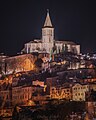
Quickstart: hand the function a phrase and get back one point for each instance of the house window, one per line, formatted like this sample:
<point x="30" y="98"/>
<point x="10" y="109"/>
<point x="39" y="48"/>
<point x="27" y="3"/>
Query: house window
<point x="52" y="89"/>
<point x="67" y="90"/>
<point x="7" y="96"/>
<point x="75" y="88"/>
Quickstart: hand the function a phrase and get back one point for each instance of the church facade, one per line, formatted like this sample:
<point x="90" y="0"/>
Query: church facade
<point x="47" y="44"/>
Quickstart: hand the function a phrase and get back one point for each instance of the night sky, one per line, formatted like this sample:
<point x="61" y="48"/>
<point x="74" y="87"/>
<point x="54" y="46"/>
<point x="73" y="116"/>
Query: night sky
<point x="21" y="21"/>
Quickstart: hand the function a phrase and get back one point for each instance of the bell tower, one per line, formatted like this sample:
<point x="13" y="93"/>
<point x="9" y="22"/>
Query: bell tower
<point x="48" y="34"/>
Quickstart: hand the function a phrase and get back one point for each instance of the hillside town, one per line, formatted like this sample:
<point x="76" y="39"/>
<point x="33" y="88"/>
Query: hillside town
<point x="48" y="80"/>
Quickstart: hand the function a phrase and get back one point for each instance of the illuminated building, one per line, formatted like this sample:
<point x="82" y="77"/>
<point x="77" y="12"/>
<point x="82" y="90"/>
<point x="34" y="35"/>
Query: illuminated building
<point x="91" y="111"/>
<point x="23" y="63"/>
<point x="18" y="63"/>
<point x="37" y="82"/>
<point x="5" y="95"/>
<point x="92" y="86"/>
<point x="47" y="44"/>
<point x="21" y="94"/>
<point x="60" y="93"/>
<point x="79" y="92"/>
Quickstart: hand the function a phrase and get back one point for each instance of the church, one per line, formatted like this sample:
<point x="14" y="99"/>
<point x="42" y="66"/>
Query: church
<point x="48" y="44"/>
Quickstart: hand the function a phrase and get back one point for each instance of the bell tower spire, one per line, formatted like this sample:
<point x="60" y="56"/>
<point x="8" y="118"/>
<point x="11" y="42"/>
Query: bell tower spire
<point x="48" y="22"/>
<point x="48" y="34"/>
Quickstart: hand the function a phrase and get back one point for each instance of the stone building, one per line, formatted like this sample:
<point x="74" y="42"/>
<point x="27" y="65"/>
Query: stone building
<point x="79" y="92"/>
<point x="22" y="94"/>
<point x="47" y="44"/>
<point x="5" y="95"/>
<point x="17" y="63"/>
<point x="60" y="93"/>
<point x="23" y="63"/>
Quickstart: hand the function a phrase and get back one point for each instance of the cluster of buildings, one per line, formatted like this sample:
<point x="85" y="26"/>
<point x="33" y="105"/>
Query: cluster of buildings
<point x="46" y="69"/>
<point x="19" y="88"/>
<point x="29" y="90"/>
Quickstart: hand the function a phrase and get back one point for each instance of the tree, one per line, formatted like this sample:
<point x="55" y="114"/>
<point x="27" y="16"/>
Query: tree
<point x="15" y="114"/>
<point x="54" y="49"/>
<point x="66" y="48"/>
<point x="63" y="49"/>
<point x="38" y="62"/>
<point x="59" y="49"/>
